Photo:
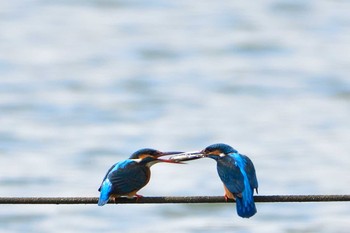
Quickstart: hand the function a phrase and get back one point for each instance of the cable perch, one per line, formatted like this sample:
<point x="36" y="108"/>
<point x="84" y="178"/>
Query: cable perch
<point x="171" y="199"/>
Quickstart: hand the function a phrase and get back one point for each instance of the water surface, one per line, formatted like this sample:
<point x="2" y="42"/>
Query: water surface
<point x="83" y="84"/>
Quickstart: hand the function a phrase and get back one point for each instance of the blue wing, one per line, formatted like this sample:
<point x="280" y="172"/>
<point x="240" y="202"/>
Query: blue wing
<point x="123" y="178"/>
<point x="128" y="178"/>
<point x="230" y="174"/>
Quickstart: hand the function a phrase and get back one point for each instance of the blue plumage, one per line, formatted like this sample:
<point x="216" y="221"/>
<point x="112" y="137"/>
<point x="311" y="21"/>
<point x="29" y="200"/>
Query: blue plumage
<point x="127" y="177"/>
<point x="123" y="179"/>
<point x="237" y="172"/>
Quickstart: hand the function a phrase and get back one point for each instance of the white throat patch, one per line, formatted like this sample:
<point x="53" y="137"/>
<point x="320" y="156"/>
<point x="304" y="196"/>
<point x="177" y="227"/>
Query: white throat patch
<point x="149" y="164"/>
<point x="152" y="163"/>
<point x="136" y="160"/>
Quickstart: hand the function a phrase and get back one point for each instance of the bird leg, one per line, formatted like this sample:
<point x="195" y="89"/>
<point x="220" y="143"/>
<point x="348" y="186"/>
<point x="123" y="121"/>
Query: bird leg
<point x="113" y="198"/>
<point x="138" y="197"/>
<point x="134" y="194"/>
<point x="228" y="194"/>
<point x="226" y="197"/>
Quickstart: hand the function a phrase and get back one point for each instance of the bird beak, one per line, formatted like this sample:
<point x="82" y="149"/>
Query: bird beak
<point x="186" y="156"/>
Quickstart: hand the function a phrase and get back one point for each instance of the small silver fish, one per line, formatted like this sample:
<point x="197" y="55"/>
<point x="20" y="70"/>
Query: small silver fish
<point x="187" y="156"/>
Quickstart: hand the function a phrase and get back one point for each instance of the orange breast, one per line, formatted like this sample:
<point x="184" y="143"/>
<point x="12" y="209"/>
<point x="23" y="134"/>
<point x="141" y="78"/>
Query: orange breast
<point x="228" y="193"/>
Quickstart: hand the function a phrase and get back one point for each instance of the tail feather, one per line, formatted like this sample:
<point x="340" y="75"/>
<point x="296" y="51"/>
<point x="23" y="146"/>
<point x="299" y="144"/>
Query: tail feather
<point x="245" y="203"/>
<point x="103" y="199"/>
<point x="245" y="208"/>
<point x="104" y="192"/>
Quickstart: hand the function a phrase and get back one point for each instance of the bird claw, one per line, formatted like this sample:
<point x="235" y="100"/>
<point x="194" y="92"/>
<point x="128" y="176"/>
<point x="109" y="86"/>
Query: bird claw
<point x="114" y="199"/>
<point x="138" y="197"/>
<point x="228" y="198"/>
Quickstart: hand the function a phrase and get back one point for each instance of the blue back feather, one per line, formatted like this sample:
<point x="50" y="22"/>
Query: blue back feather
<point x="245" y="205"/>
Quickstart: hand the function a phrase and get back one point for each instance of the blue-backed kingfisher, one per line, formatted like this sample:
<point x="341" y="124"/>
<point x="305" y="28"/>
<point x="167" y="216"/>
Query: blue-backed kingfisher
<point x="236" y="171"/>
<point x="127" y="177"/>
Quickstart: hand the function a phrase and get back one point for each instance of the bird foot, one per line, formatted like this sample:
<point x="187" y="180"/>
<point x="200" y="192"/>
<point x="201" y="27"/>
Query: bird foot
<point x="138" y="197"/>
<point x="227" y="197"/>
<point x="114" y="199"/>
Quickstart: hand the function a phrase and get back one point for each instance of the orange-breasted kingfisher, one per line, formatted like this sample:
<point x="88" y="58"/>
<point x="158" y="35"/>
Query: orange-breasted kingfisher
<point x="235" y="170"/>
<point x="127" y="177"/>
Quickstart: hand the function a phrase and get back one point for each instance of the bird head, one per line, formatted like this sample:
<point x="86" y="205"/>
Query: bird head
<point x="218" y="150"/>
<point x="149" y="157"/>
<point x="214" y="151"/>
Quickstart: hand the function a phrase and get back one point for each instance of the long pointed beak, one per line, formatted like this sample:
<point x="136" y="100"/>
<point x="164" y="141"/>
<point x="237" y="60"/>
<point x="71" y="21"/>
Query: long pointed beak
<point x="186" y="156"/>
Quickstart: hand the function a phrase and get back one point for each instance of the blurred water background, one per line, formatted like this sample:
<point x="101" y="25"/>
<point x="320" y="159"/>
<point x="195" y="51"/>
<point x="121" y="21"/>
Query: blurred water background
<point x="83" y="84"/>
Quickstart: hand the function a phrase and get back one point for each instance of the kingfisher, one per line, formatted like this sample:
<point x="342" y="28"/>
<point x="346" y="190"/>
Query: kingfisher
<point x="235" y="170"/>
<point x="127" y="177"/>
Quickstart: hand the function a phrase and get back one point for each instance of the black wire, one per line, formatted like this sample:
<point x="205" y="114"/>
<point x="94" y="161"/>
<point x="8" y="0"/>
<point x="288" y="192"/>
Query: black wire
<point x="164" y="200"/>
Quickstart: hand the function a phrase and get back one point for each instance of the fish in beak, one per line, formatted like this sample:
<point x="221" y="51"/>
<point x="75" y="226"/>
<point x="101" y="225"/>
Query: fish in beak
<point x="187" y="156"/>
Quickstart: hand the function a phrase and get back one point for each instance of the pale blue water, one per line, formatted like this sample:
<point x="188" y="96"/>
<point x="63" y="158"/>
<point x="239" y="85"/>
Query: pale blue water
<point x="84" y="84"/>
